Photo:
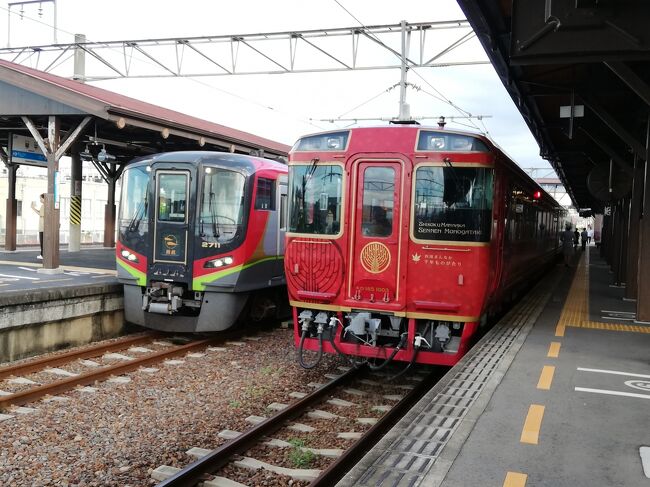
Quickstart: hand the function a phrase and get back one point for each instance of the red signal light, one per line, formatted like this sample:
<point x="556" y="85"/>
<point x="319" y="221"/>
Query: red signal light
<point x="537" y="195"/>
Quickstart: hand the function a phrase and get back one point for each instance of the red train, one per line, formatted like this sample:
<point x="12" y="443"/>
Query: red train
<point x="403" y="240"/>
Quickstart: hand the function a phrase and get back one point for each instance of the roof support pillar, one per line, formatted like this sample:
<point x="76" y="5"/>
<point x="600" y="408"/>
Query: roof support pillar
<point x="633" y="229"/>
<point x="605" y="238"/>
<point x="74" y="242"/>
<point x="109" y="210"/>
<point x="643" y="263"/>
<point x="52" y="217"/>
<point x="11" y="215"/>
<point x="12" y="205"/>
<point x="620" y="234"/>
<point x="53" y="150"/>
<point x="631" y="79"/>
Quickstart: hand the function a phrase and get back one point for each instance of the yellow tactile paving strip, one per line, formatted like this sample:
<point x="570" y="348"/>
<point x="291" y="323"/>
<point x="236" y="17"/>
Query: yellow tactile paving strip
<point x="576" y="308"/>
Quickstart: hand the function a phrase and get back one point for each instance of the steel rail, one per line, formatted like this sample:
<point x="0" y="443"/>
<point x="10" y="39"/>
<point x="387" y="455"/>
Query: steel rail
<point x="92" y="351"/>
<point x="194" y="472"/>
<point x="352" y="455"/>
<point x="99" y="374"/>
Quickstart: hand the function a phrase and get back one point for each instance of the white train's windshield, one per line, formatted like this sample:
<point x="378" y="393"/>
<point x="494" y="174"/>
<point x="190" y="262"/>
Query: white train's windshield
<point x="222" y="205"/>
<point x="134" y="202"/>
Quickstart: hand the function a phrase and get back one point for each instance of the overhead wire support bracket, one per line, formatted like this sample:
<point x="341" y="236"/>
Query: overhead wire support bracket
<point x="321" y="53"/>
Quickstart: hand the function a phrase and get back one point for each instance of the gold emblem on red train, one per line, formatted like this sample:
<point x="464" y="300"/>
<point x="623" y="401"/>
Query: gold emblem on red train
<point x="375" y="257"/>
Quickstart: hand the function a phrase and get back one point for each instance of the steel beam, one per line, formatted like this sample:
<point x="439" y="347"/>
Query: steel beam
<point x="610" y="151"/>
<point x="631" y="79"/>
<point x="615" y="126"/>
<point x="36" y="134"/>
<point x="71" y="137"/>
<point x="154" y="52"/>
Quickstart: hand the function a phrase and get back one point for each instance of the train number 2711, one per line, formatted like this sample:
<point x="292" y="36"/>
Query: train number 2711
<point x="210" y="245"/>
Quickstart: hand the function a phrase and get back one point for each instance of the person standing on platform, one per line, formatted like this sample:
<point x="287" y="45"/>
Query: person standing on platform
<point x="576" y="238"/>
<point x="41" y="222"/>
<point x="583" y="237"/>
<point x="590" y="234"/>
<point x="567" y="237"/>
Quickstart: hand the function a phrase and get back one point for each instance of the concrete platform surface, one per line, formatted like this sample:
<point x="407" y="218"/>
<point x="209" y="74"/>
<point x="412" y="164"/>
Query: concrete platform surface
<point x="563" y="401"/>
<point x="19" y="270"/>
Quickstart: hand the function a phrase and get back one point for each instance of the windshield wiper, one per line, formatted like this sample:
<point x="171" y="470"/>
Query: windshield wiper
<point x="215" y="223"/>
<point x="140" y="212"/>
<point x="454" y="175"/>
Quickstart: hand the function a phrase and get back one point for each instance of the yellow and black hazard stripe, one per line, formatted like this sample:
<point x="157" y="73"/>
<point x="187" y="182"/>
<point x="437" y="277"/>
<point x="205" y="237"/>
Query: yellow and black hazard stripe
<point x="75" y="210"/>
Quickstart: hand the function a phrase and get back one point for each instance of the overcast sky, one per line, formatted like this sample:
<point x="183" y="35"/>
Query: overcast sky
<point x="284" y="107"/>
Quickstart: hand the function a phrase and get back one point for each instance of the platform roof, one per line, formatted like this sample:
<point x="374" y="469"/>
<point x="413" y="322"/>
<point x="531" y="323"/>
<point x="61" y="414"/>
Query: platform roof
<point x="132" y="127"/>
<point x="563" y="53"/>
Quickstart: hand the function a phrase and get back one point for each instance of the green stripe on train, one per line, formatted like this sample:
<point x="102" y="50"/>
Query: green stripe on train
<point x="140" y="276"/>
<point x="198" y="284"/>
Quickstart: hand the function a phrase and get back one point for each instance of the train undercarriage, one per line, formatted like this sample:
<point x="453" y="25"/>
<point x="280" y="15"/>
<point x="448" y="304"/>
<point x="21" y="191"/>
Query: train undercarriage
<point x="379" y="338"/>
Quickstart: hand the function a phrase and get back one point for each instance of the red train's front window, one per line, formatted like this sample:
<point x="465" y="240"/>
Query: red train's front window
<point x="453" y="203"/>
<point x="315" y="198"/>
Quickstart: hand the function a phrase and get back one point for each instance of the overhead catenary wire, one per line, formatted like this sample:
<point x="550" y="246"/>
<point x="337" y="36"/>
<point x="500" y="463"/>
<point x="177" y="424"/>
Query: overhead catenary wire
<point x="442" y="98"/>
<point x="194" y="80"/>
<point x="367" y="101"/>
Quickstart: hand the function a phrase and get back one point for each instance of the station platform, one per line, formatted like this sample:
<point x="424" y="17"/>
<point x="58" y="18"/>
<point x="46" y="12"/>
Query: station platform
<point x="44" y="312"/>
<point x="18" y="270"/>
<point x="556" y="394"/>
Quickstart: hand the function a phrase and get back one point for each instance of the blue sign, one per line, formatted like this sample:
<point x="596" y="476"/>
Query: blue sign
<point x="25" y="150"/>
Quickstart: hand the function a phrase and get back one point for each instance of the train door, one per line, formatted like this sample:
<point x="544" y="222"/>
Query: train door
<point x="172" y="216"/>
<point x="281" y="205"/>
<point x="375" y="231"/>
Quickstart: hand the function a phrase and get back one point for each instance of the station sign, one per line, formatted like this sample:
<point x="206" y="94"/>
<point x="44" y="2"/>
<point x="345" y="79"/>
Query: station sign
<point x="25" y="151"/>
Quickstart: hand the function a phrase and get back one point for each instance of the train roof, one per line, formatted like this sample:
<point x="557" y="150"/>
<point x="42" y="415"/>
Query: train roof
<point x="239" y="161"/>
<point x="383" y="145"/>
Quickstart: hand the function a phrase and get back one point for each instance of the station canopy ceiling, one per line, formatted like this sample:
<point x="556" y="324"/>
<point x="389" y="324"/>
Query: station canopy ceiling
<point x="593" y="55"/>
<point x="127" y="127"/>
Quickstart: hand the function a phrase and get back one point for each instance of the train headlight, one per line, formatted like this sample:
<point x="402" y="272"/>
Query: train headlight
<point x="220" y="262"/>
<point x="130" y="256"/>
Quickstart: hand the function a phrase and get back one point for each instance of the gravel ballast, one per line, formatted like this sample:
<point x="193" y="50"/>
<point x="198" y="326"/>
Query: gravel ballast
<point x="117" y="435"/>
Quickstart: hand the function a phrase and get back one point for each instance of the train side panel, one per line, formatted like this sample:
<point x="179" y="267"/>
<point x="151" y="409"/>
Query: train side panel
<point x="403" y="239"/>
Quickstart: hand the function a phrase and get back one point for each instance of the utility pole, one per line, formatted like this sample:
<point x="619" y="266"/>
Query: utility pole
<point x="404" y="109"/>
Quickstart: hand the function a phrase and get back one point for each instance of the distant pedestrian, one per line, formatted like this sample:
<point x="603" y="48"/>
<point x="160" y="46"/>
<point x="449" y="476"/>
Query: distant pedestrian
<point x="583" y="238"/>
<point x="590" y="234"/>
<point x="41" y="222"/>
<point x="567" y="237"/>
<point x="576" y="238"/>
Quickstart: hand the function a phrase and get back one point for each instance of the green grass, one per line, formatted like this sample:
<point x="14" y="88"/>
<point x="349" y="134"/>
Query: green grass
<point x="300" y="458"/>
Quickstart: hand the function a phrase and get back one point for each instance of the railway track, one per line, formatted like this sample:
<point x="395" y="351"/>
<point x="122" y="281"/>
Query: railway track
<point x="211" y="462"/>
<point x="98" y="373"/>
